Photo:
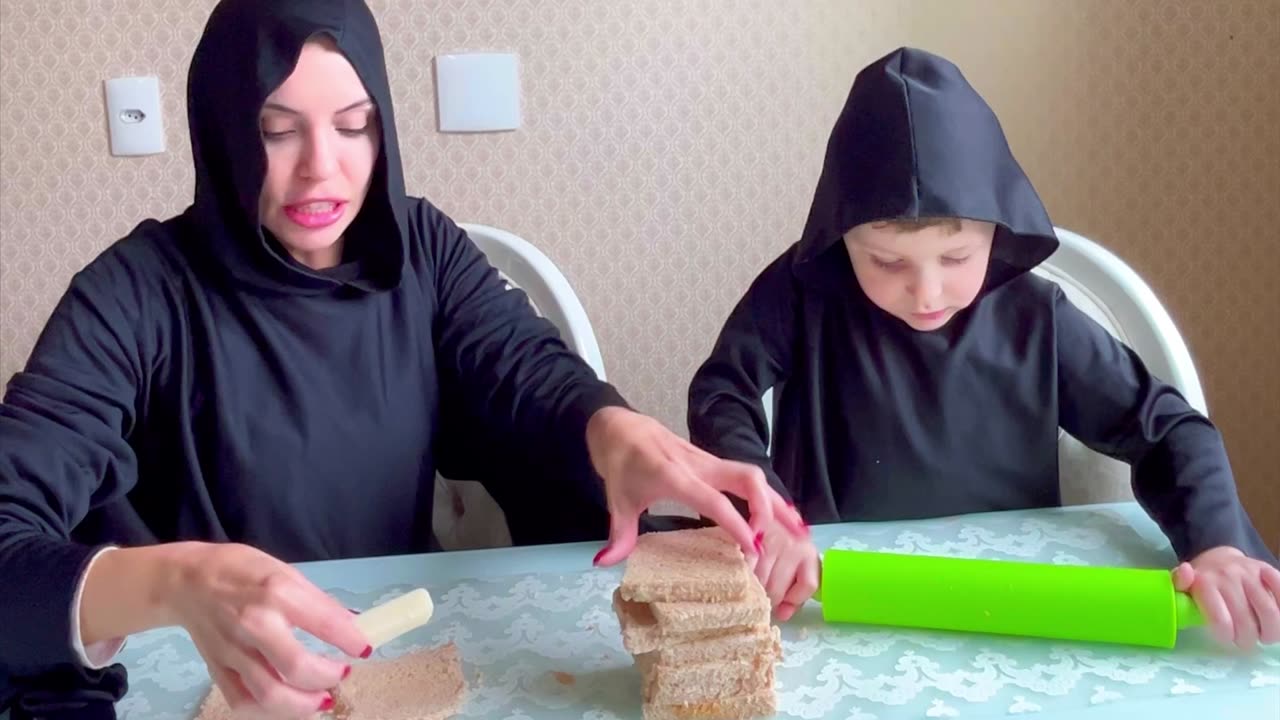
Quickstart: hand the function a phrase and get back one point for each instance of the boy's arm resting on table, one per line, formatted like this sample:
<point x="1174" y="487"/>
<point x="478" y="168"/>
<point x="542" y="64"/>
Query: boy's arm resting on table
<point x="62" y="447"/>
<point x="1181" y="475"/>
<point x="752" y="354"/>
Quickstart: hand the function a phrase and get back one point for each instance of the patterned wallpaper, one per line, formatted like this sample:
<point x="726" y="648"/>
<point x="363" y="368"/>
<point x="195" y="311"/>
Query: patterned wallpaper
<point x="670" y="147"/>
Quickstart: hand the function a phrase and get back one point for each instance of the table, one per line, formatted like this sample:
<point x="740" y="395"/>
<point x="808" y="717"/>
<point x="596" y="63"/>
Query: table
<point x="519" y="616"/>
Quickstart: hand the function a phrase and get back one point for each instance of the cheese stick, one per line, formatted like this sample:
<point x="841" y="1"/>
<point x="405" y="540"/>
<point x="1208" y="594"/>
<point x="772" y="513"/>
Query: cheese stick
<point x="396" y="617"/>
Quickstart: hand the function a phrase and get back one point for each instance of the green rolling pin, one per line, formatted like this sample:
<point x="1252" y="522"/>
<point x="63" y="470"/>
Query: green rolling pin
<point x="1068" y="602"/>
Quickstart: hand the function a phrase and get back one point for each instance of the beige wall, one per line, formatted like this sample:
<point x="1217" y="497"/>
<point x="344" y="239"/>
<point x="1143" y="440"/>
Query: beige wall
<point x="1154" y="127"/>
<point x="671" y="145"/>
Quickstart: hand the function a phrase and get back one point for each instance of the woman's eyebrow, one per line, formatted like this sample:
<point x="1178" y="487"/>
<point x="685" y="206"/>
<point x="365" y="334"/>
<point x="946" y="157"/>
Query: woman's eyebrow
<point x="286" y="109"/>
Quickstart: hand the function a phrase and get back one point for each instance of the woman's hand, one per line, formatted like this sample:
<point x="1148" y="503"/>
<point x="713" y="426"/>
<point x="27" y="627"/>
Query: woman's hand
<point x="240" y="607"/>
<point x="789" y="568"/>
<point x="1238" y="596"/>
<point x="643" y="462"/>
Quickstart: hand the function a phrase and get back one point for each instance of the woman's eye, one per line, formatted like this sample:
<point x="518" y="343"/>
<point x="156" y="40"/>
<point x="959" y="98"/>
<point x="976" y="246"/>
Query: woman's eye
<point x="351" y="132"/>
<point x="955" y="261"/>
<point x="275" y="134"/>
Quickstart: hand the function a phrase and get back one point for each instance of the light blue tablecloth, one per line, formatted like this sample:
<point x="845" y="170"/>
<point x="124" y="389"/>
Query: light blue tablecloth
<point x="520" y="615"/>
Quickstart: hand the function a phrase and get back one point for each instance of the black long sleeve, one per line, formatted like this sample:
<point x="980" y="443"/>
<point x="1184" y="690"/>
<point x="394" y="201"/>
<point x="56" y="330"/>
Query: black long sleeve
<point x="752" y="355"/>
<point x="1181" y="474"/>
<point x="62" y="448"/>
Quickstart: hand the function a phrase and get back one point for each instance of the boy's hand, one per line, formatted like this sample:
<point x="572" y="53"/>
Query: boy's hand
<point x="1238" y="596"/>
<point x="788" y="567"/>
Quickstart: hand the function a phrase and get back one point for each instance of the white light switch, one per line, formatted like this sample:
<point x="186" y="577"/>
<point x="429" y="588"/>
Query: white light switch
<point x="133" y="116"/>
<point x="478" y="92"/>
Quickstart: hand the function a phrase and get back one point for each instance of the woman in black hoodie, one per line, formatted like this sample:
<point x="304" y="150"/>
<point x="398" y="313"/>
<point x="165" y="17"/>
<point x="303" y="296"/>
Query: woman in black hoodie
<point x="276" y="375"/>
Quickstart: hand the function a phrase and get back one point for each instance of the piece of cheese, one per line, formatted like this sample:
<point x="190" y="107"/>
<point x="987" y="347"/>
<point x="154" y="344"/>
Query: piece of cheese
<point x="396" y="617"/>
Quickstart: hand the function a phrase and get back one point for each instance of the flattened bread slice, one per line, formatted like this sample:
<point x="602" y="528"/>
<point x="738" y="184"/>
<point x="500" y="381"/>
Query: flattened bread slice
<point x="696" y="682"/>
<point x="757" y="641"/>
<point x="753" y="609"/>
<point x="698" y="565"/>
<point x="756" y="705"/>
<point x="642" y="633"/>
<point x="423" y="685"/>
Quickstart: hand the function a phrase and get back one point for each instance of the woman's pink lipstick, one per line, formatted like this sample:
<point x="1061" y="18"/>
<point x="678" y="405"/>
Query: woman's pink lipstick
<point x="316" y="214"/>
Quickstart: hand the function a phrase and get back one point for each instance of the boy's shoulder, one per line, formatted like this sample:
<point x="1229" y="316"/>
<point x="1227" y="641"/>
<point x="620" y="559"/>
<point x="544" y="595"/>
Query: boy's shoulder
<point x="1027" y="300"/>
<point x="1033" y="285"/>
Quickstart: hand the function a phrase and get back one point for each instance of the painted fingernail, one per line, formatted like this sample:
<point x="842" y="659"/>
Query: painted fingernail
<point x="368" y="650"/>
<point x="353" y="611"/>
<point x="326" y="704"/>
<point x="759" y="542"/>
<point x="346" y="672"/>
<point x="596" y="559"/>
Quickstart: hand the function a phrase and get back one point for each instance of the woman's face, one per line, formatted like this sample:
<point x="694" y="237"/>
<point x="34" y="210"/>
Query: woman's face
<point x="321" y="134"/>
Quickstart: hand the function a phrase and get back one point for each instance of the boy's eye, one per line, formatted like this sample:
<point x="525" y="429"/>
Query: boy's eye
<point x="891" y="265"/>
<point x="955" y="261"/>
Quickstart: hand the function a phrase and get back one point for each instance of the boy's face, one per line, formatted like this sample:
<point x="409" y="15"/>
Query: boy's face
<point x="922" y="277"/>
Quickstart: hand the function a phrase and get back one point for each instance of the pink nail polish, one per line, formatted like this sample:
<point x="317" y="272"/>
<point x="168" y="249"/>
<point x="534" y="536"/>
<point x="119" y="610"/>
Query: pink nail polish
<point x="327" y="704"/>
<point x="596" y="559"/>
<point x="368" y="650"/>
<point x="346" y="672"/>
<point x="759" y="542"/>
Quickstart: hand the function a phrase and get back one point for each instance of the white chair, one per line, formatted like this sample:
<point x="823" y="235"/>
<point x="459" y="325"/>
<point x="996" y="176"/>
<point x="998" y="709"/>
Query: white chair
<point x="1104" y="287"/>
<point x="527" y="268"/>
<point x="466" y="516"/>
<point x="1110" y="292"/>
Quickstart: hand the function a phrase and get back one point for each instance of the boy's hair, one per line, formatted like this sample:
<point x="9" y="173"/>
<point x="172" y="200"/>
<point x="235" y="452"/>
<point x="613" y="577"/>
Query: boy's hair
<point x="913" y="224"/>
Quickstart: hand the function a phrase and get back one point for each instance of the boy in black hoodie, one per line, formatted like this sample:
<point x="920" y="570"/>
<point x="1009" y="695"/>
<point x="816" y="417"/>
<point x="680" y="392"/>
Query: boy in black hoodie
<point x="921" y="370"/>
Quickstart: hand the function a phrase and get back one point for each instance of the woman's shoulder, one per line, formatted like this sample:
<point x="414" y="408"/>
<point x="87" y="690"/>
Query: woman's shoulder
<point x="145" y="261"/>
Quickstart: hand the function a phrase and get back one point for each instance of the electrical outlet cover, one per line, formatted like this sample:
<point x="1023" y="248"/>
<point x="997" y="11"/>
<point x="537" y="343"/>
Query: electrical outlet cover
<point x="133" y="116"/>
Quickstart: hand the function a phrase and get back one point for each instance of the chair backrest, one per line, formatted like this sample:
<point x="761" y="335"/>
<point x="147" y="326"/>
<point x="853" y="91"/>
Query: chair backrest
<point x="1110" y="292"/>
<point x="1104" y="287"/>
<point x="527" y="268"/>
<point x="465" y="514"/>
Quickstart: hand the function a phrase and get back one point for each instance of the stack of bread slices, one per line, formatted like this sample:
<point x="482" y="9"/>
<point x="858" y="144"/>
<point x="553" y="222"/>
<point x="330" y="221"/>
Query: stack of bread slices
<point x="697" y="621"/>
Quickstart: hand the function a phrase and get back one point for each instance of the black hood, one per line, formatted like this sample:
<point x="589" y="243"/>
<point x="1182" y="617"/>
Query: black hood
<point x="248" y="49"/>
<point x="915" y="140"/>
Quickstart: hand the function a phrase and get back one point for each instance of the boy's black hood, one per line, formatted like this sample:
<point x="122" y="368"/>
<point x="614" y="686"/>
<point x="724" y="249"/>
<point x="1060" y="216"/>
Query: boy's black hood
<point x="915" y="140"/>
<point x="248" y="49"/>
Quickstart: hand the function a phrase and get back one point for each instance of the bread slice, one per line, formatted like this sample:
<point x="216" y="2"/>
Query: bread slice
<point x="699" y="565"/>
<point x="753" y="609"/>
<point x="642" y="633"/>
<point x="664" y="684"/>
<point x="756" y="705"/>
<point x="757" y="641"/>
<point x="423" y="685"/>
<point x="418" y="686"/>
